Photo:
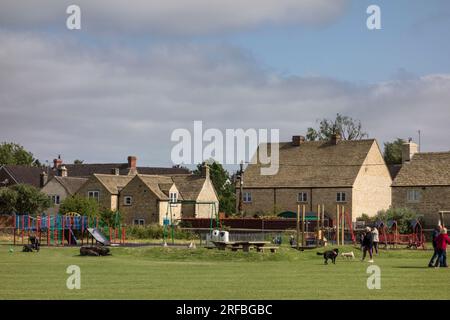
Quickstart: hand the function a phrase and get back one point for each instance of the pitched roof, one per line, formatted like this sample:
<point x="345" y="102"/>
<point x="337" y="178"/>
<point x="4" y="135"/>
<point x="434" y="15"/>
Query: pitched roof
<point x="157" y="184"/>
<point x="312" y="164"/>
<point x="425" y="169"/>
<point x="189" y="186"/>
<point x="71" y="184"/>
<point x="25" y="174"/>
<point x="394" y="169"/>
<point x="86" y="170"/>
<point x="113" y="183"/>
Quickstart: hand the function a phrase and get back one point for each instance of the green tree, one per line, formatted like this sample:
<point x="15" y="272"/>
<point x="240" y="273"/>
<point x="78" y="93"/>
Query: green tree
<point x="393" y="151"/>
<point x="403" y="216"/>
<point x="13" y="153"/>
<point x="110" y="217"/>
<point x="78" y="161"/>
<point x="30" y="200"/>
<point x="223" y="185"/>
<point x="347" y="127"/>
<point x="8" y="199"/>
<point x="81" y="205"/>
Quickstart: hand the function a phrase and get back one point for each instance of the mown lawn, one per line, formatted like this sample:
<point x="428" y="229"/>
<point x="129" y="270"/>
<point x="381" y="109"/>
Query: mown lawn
<point x="169" y="273"/>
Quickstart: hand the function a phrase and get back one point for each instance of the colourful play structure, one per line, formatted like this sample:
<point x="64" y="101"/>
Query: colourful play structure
<point x="389" y="235"/>
<point x="71" y="229"/>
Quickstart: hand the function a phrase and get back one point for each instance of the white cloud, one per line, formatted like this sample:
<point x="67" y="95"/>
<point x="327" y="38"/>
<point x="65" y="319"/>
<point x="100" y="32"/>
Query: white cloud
<point x="103" y="104"/>
<point x="186" y="17"/>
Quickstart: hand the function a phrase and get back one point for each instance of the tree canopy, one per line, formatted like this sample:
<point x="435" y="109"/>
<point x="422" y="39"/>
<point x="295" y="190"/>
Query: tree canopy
<point x="81" y="205"/>
<point x="14" y="154"/>
<point x="23" y="199"/>
<point x="347" y="127"/>
<point x="393" y="151"/>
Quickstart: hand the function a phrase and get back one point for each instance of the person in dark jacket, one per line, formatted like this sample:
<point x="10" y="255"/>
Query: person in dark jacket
<point x="435" y="256"/>
<point x="367" y="244"/>
<point x="441" y="244"/>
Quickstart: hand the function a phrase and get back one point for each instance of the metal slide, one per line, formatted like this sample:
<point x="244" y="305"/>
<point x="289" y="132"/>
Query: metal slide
<point x="98" y="236"/>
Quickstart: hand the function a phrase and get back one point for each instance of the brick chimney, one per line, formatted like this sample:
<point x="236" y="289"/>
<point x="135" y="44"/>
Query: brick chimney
<point x="43" y="178"/>
<point x="298" y="140"/>
<point x="335" y="138"/>
<point x="57" y="162"/>
<point x="408" y="150"/>
<point x="132" y="165"/>
<point x="205" y="171"/>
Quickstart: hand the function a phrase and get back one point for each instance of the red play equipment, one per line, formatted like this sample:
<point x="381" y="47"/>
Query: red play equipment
<point x="389" y="235"/>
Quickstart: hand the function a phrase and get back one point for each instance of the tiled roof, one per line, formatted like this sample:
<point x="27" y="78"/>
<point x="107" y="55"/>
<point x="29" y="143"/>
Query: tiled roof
<point x="394" y="169"/>
<point x="25" y="174"/>
<point x="312" y="164"/>
<point x="113" y="183"/>
<point x="425" y="169"/>
<point x="71" y="184"/>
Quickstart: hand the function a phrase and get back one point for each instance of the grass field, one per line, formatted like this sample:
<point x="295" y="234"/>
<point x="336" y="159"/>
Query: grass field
<point x="169" y="273"/>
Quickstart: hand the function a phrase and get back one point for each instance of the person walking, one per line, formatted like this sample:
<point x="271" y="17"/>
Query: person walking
<point x="367" y="244"/>
<point x="435" y="256"/>
<point x="376" y="239"/>
<point x="441" y="243"/>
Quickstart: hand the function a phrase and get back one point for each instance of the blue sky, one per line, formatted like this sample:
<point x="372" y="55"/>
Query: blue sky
<point x="138" y="70"/>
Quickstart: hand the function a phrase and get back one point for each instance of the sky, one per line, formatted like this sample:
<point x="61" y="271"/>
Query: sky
<point x="137" y="70"/>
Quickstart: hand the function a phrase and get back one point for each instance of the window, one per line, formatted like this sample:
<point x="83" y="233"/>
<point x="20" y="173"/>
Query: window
<point x="173" y="197"/>
<point x="341" y="197"/>
<point x="55" y="199"/>
<point x="302" y="197"/>
<point x="247" y="197"/>
<point x="94" y="195"/>
<point x="413" y="196"/>
<point x="127" y="200"/>
<point x="139" y="222"/>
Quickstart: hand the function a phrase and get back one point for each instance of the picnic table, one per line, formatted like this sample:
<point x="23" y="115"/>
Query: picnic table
<point x="245" y="245"/>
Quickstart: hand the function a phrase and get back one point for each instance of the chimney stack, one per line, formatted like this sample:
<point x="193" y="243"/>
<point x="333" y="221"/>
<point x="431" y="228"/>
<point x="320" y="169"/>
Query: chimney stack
<point x="297" y="140"/>
<point x="57" y="162"/>
<point x="43" y="179"/>
<point x="132" y="165"/>
<point x="62" y="171"/>
<point x="335" y="138"/>
<point x="408" y="150"/>
<point x="205" y="170"/>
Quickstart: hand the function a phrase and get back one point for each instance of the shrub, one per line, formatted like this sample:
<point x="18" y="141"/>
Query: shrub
<point x="155" y="231"/>
<point x="81" y="205"/>
<point x="403" y="216"/>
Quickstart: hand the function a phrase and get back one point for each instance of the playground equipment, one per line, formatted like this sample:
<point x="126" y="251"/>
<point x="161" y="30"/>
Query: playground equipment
<point x="343" y="221"/>
<point x="390" y="235"/>
<point x="57" y="229"/>
<point x="314" y="238"/>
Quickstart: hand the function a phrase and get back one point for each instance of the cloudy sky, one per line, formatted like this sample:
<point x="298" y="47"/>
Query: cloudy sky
<point x="139" y="69"/>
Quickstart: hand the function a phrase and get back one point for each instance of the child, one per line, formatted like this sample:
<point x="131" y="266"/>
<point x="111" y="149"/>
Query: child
<point x="441" y="244"/>
<point x="435" y="256"/>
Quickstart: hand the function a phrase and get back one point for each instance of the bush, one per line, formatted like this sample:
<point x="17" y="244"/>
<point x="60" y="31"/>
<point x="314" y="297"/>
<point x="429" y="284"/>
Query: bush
<point x="81" y="205"/>
<point x="155" y="231"/>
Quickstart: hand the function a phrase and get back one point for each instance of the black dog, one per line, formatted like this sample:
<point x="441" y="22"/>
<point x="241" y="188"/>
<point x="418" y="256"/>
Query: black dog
<point x="35" y="243"/>
<point x="331" y="254"/>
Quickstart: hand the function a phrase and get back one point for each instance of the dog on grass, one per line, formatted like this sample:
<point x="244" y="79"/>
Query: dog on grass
<point x="329" y="255"/>
<point x="348" y="255"/>
<point x="27" y="248"/>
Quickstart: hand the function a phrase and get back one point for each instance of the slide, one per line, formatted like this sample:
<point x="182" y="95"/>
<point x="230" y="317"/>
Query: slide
<point x="98" y="236"/>
<point x="73" y="239"/>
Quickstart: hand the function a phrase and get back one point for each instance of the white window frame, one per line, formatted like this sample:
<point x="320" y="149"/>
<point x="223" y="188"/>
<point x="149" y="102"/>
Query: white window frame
<point x="139" y="222"/>
<point x="127" y="203"/>
<point x="413" y="195"/>
<point x="247" y="197"/>
<point x="341" y="196"/>
<point x="94" y="194"/>
<point x="55" y="198"/>
<point x="302" y="197"/>
<point x="173" y="197"/>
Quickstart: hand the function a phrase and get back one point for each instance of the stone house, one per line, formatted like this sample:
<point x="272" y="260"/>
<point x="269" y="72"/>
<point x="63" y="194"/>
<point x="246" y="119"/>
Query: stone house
<point x="150" y="198"/>
<point x="423" y="183"/>
<point x="105" y="189"/>
<point x="59" y="188"/>
<point x="350" y="173"/>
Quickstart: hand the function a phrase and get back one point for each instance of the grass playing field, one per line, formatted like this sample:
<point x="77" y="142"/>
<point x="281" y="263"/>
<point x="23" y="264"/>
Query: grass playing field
<point x="169" y="273"/>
